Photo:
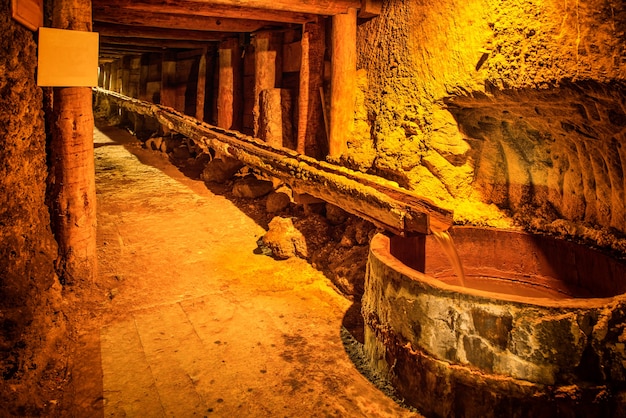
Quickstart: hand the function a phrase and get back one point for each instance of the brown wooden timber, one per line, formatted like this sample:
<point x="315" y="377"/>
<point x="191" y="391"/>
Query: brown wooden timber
<point x="146" y="32"/>
<point x="205" y="9"/>
<point x="158" y="43"/>
<point x="369" y="197"/>
<point x="201" y="86"/>
<point x="311" y="139"/>
<point x="268" y="48"/>
<point x="343" y="81"/>
<point x="72" y="179"/>
<point x="168" y="80"/>
<point x="229" y="90"/>
<point x="127" y="49"/>
<point x="175" y="21"/>
<point x="319" y="7"/>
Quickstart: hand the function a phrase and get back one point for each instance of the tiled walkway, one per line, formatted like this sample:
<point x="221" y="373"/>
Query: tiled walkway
<point x="198" y="324"/>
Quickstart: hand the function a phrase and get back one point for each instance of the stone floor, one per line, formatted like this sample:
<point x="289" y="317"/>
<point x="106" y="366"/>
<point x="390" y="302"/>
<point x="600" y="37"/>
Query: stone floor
<point x="196" y="323"/>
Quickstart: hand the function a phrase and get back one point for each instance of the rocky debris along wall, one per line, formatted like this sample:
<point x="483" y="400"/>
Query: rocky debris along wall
<point x="506" y="112"/>
<point x="32" y="327"/>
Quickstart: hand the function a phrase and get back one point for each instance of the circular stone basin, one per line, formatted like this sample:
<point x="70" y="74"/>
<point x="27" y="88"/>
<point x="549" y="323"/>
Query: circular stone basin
<point x="538" y="329"/>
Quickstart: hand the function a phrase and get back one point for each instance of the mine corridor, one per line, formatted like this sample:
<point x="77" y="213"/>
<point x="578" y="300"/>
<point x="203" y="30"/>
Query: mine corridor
<point x="339" y="208"/>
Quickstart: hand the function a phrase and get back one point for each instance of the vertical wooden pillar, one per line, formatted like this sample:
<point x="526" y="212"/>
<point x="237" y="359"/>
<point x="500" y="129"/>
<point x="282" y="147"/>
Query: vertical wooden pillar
<point x="209" y="86"/>
<point x="73" y="187"/>
<point x="229" y="93"/>
<point x="126" y="63"/>
<point x="311" y="138"/>
<point x="134" y="76"/>
<point x="168" y="80"/>
<point x="268" y="48"/>
<point x="115" y="65"/>
<point x="343" y="80"/>
<point x="106" y="75"/>
<point x="143" y="77"/>
<point x="101" y="75"/>
<point x="201" y="86"/>
<point x="276" y="117"/>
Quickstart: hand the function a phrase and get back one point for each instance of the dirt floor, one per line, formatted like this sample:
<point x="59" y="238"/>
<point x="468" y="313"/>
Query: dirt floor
<point x="188" y="319"/>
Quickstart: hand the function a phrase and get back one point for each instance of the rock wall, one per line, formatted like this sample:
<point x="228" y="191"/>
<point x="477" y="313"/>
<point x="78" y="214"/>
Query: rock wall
<point x="31" y="325"/>
<point x="507" y="112"/>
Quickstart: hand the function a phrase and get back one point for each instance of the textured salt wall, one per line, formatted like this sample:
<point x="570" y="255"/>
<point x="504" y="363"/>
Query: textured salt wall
<point x="31" y="326"/>
<point x="506" y="112"/>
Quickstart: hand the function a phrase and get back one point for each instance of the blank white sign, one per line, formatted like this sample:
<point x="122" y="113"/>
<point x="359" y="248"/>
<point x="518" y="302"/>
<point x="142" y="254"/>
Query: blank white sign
<point x="67" y="58"/>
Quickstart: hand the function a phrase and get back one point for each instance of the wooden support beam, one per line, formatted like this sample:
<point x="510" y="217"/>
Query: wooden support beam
<point x="370" y="8"/>
<point x="175" y="21"/>
<point x="229" y="91"/>
<point x="372" y="198"/>
<point x="319" y="7"/>
<point x="126" y="49"/>
<point x="343" y="81"/>
<point x="157" y="43"/>
<point x="146" y="32"/>
<point x="168" y="80"/>
<point x="126" y="76"/>
<point x="201" y="86"/>
<point x="311" y="138"/>
<point x="73" y="187"/>
<point x="268" y="47"/>
<point x="183" y="7"/>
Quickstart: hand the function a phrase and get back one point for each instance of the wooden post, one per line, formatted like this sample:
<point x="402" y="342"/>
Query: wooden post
<point x="126" y="63"/>
<point x="276" y="116"/>
<point x="267" y="68"/>
<point x="201" y="87"/>
<point x="311" y="138"/>
<point x="143" y="78"/>
<point x="229" y="93"/>
<point x="343" y="80"/>
<point x="168" y="80"/>
<point x="114" y="85"/>
<point x="106" y="75"/>
<point x="134" y="76"/>
<point x="72" y="179"/>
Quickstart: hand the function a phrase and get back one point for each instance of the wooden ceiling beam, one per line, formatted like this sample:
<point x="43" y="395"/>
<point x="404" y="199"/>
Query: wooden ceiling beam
<point x="164" y="43"/>
<point x="185" y="7"/>
<point x="111" y="29"/>
<point x="176" y="21"/>
<point x="127" y="49"/>
<point x="318" y="7"/>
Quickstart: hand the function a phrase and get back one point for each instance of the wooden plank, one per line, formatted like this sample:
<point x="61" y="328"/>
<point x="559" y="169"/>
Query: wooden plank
<point x="319" y="7"/>
<point x="235" y="11"/>
<point x="175" y="21"/>
<point x="147" y="32"/>
<point x="159" y="43"/>
<point x="370" y="8"/>
<point x="375" y="199"/>
<point x="28" y="12"/>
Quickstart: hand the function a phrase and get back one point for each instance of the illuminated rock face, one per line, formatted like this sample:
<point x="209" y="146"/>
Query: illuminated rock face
<point x="503" y="112"/>
<point x="537" y="331"/>
<point x="32" y="328"/>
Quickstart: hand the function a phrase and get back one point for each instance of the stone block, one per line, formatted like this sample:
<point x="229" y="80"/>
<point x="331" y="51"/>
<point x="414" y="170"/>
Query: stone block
<point x="251" y="188"/>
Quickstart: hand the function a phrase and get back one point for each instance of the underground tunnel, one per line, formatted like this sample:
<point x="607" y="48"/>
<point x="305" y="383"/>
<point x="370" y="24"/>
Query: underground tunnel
<point x="322" y="208"/>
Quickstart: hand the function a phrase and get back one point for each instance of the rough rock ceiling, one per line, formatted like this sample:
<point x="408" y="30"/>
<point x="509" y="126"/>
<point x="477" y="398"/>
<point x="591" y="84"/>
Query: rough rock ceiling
<point x="138" y="26"/>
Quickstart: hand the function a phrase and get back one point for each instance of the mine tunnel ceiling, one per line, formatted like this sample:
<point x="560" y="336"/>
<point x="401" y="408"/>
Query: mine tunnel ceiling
<point x="131" y="27"/>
